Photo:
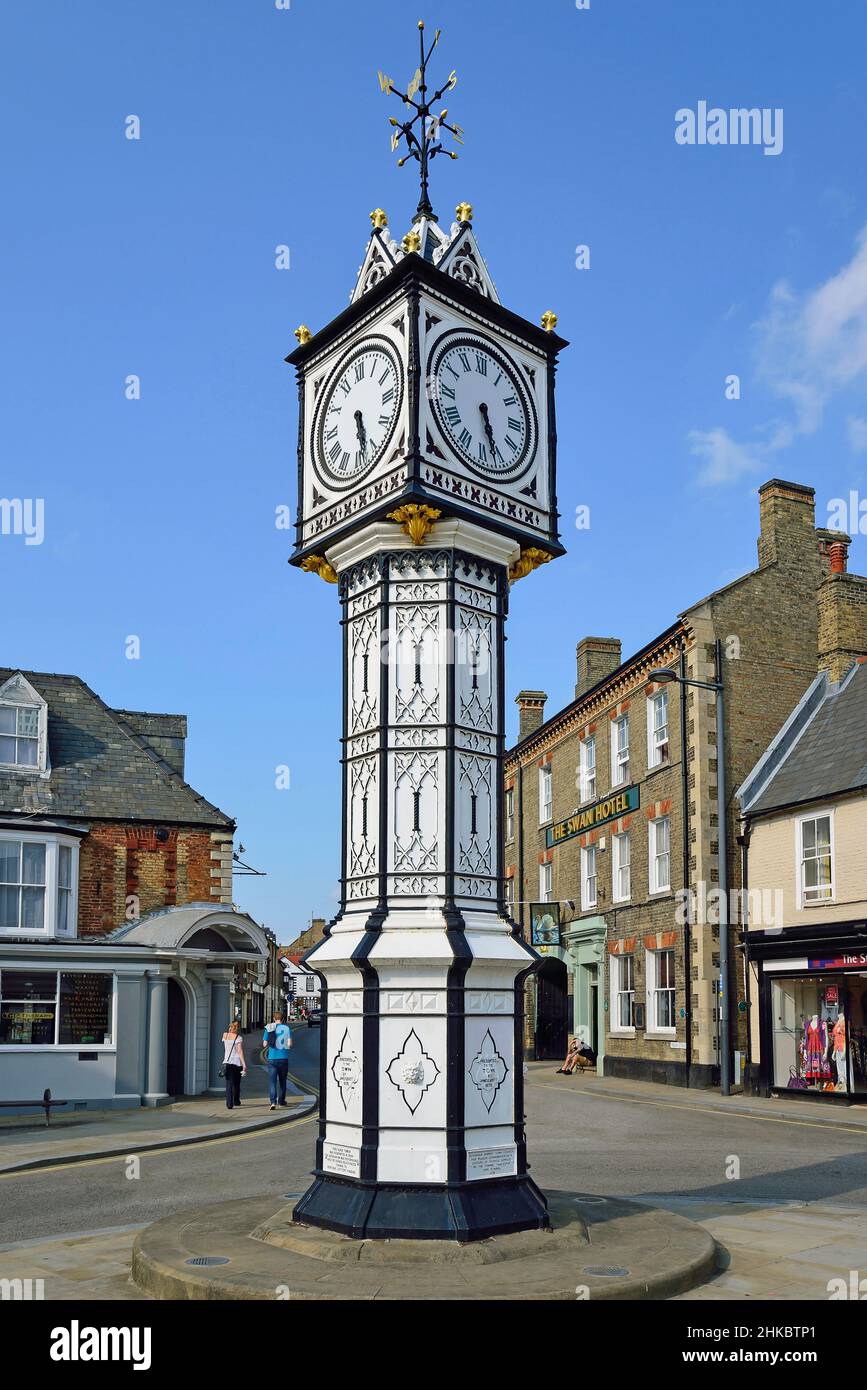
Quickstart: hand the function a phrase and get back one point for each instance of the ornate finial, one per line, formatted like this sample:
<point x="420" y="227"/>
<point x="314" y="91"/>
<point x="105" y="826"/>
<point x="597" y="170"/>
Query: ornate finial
<point x="379" y="218"/>
<point x="425" y="145"/>
<point x="411" y="242"/>
<point x="317" y="564"/>
<point x="549" y="321"/>
<point x="464" y="212"/>
<point x="303" y="334"/>
<point x="416" y="520"/>
<point x="530" y="559"/>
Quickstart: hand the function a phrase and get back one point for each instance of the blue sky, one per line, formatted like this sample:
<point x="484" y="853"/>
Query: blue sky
<point x="262" y="127"/>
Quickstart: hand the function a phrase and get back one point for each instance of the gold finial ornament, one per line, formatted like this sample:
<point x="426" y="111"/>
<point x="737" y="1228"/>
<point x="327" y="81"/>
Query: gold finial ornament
<point x="549" y="321"/>
<point x="417" y="519"/>
<point x="411" y="242"/>
<point x="317" y="564"/>
<point x="379" y="218"/>
<point x="464" y="212"/>
<point x="530" y="559"/>
<point x="303" y="334"/>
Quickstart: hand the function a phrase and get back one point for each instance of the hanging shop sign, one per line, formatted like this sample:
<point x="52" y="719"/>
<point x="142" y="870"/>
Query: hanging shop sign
<point x="618" y="804"/>
<point x="545" y="924"/>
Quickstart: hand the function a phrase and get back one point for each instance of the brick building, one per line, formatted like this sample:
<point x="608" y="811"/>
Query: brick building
<point x="611" y="810"/>
<point x="122" y="958"/>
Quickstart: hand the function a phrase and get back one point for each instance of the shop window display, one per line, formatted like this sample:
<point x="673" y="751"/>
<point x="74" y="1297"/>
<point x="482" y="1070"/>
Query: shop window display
<point x="820" y="1033"/>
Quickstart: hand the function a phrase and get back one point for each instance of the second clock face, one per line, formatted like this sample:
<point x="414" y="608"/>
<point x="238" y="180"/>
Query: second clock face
<point x="358" y="411"/>
<point x="482" y="406"/>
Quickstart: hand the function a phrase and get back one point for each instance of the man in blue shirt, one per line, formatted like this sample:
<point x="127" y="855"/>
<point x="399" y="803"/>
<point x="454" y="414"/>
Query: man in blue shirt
<point x="277" y="1038"/>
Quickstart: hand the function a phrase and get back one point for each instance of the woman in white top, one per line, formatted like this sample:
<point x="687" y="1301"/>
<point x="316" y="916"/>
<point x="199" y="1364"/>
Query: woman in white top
<point x="234" y="1064"/>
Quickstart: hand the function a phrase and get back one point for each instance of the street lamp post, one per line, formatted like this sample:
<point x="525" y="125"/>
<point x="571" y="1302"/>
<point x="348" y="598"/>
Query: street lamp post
<point x="664" y="675"/>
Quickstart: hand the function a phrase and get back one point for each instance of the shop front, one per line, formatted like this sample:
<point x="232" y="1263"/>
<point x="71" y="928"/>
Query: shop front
<point x="135" y="1018"/>
<point x="812" y="1003"/>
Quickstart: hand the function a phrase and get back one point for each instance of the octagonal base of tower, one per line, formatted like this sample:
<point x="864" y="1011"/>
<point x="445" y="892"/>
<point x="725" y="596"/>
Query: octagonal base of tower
<point x="598" y="1248"/>
<point x="388" y="1211"/>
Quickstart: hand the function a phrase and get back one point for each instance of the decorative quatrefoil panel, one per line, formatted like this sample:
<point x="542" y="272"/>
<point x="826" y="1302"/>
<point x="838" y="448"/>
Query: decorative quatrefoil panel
<point x="413" y="1071"/>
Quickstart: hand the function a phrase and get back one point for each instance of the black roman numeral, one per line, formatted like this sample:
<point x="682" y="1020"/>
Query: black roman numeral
<point x="464" y="361"/>
<point x="481" y="364"/>
<point x="447" y="391"/>
<point x="515" y="425"/>
<point x="465" y="438"/>
<point x="387" y="396"/>
<point x="384" y="378"/>
<point x="359" y="369"/>
<point x="453" y="415"/>
<point x="483" y="453"/>
<point x="510" y="400"/>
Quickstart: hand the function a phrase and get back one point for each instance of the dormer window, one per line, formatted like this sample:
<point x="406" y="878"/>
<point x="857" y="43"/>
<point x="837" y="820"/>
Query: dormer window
<point x="23" y="727"/>
<point x="19" y="735"/>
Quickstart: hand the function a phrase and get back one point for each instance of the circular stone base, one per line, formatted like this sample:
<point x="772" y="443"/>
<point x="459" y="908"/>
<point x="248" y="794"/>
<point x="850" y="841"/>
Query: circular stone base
<point x="598" y="1248"/>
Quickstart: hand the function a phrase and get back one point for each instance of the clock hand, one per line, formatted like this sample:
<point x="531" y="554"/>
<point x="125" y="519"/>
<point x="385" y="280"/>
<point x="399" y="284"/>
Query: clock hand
<point x="361" y="432"/>
<point x="488" y="427"/>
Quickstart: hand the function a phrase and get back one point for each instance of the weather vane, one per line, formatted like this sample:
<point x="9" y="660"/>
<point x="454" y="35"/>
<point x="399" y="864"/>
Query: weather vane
<point x="426" y="144"/>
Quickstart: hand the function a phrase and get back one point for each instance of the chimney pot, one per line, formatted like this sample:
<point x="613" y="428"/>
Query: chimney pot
<point x="837" y="551"/>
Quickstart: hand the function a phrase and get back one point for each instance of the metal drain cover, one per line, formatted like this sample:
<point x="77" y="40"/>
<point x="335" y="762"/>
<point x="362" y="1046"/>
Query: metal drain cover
<point x="208" y="1260"/>
<point x="606" y="1271"/>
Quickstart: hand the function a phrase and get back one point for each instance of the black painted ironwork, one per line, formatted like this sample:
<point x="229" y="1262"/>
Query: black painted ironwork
<point x="425" y="144"/>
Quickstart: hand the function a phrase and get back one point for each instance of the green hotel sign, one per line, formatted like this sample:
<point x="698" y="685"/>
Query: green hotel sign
<point x="618" y="804"/>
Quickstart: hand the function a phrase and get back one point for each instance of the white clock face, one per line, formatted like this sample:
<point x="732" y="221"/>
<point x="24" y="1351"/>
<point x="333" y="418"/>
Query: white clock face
<point x="482" y="407"/>
<point x="356" y="416"/>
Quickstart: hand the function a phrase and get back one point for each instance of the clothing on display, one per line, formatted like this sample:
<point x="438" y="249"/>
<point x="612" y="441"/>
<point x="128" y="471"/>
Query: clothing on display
<point x="815" y="1048"/>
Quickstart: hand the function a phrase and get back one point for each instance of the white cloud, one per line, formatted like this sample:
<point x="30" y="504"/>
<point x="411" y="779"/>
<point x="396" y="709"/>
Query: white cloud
<point x="857" y="434"/>
<point x="809" y="348"/>
<point x="724" y="460"/>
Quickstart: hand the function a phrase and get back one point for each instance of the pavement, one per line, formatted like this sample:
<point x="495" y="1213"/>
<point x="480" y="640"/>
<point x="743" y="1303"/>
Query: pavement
<point x="26" y="1142"/>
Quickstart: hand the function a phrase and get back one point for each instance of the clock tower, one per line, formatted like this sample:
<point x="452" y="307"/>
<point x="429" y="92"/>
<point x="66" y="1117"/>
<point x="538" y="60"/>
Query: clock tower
<point x="426" y="455"/>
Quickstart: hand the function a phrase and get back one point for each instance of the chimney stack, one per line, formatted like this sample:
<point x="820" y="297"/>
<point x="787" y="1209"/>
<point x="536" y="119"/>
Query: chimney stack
<point x="531" y="704"/>
<point x="595" y="658"/>
<point x="787" y="519"/>
<point x="842" y="600"/>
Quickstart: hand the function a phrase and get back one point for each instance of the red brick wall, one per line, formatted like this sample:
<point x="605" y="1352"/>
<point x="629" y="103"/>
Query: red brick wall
<point x="119" y="862"/>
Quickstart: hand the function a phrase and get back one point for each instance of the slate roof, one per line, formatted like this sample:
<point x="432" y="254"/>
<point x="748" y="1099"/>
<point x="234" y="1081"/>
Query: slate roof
<point x="101" y="767"/>
<point x="820" y="752"/>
